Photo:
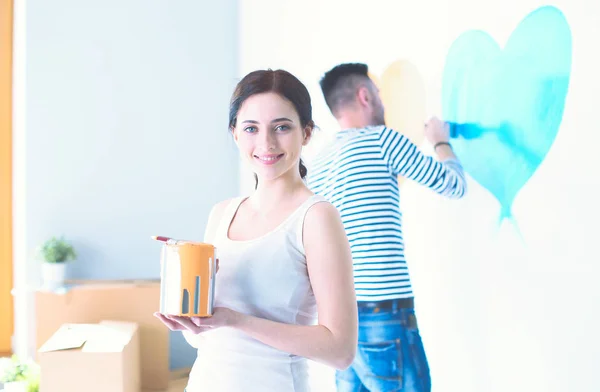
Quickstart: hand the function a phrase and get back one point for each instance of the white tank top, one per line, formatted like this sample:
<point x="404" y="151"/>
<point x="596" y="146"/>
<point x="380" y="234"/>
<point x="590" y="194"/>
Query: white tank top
<point x="265" y="277"/>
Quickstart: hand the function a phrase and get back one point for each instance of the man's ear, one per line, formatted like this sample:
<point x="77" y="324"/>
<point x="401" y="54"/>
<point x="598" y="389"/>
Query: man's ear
<point x="364" y="96"/>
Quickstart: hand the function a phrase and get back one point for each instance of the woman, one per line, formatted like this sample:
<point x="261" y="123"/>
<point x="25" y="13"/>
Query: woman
<point x="283" y="256"/>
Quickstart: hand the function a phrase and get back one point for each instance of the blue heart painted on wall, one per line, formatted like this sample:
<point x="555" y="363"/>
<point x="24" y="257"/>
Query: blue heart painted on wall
<point x="506" y="106"/>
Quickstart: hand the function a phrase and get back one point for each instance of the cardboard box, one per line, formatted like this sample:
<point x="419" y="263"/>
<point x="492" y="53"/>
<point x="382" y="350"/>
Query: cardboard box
<point x="91" y="357"/>
<point x="187" y="278"/>
<point x="93" y="301"/>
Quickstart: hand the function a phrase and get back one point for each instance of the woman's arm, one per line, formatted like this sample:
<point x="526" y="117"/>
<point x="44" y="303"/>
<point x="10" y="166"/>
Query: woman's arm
<point x="333" y="341"/>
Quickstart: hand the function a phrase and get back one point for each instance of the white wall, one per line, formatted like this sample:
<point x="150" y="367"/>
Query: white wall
<point x="122" y="132"/>
<point x="497" y="312"/>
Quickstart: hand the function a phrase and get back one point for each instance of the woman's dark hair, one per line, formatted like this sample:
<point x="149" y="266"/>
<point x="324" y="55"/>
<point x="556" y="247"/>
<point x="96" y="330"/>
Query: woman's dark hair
<point x="280" y="82"/>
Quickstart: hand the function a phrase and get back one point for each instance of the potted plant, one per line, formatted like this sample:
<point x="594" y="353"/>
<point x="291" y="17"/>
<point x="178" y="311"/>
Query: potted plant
<point x="16" y="375"/>
<point x="55" y="253"/>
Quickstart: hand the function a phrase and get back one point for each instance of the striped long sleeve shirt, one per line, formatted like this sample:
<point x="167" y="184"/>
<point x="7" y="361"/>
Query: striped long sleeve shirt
<point x="358" y="173"/>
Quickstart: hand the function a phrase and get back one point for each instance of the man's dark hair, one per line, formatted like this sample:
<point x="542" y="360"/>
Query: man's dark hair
<point x="339" y="84"/>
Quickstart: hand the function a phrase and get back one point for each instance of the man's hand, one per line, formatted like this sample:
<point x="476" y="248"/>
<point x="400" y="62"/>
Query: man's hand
<point x="437" y="131"/>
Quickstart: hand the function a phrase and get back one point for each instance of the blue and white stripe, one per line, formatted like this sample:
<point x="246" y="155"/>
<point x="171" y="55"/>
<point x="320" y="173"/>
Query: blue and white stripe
<point x="358" y="173"/>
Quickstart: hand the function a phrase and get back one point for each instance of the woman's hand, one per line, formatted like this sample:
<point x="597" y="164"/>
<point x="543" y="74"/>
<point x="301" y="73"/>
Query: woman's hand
<point x="179" y="323"/>
<point x="222" y="317"/>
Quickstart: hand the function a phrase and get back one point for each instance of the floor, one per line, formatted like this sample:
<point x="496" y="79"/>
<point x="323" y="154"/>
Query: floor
<point x="178" y="380"/>
<point x="322" y="379"/>
<point x="178" y="385"/>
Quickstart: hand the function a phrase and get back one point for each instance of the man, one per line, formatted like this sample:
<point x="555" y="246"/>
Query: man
<point x="358" y="174"/>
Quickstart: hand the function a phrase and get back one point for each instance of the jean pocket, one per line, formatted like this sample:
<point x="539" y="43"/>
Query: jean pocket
<point x="419" y="360"/>
<point x="383" y="363"/>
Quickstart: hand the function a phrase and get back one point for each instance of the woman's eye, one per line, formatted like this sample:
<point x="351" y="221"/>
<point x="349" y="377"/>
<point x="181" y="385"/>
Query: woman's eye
<point x="282" y="128"/>
<point x="250" y="129"/>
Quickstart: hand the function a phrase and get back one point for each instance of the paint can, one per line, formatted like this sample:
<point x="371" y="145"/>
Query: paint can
<point x="187" y="278"/>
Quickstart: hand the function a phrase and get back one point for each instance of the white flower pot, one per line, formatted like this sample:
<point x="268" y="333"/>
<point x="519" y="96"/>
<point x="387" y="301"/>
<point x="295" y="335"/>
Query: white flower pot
<point x="16" y="386"/>
<point x="53" y="275"/>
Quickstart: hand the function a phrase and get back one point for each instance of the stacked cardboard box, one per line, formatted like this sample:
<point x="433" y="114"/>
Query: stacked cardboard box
<point x="91" y="302"/>
<point x="93" y="357"/>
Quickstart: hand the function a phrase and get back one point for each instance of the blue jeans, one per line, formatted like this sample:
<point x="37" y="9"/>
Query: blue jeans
<point x="390" y="355"/>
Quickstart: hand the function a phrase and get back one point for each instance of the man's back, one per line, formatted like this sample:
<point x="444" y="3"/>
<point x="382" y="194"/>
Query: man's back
<point x="358" y="174"/>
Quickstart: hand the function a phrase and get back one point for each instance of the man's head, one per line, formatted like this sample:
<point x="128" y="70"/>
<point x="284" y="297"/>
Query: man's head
<point x="352" y="96"/>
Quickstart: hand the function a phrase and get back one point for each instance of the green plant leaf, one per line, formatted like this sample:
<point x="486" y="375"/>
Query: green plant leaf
<point x="57" y="250"/>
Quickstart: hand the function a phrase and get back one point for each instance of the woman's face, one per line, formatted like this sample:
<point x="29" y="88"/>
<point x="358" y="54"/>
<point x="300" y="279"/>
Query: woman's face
<point x="269" y="135"/>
